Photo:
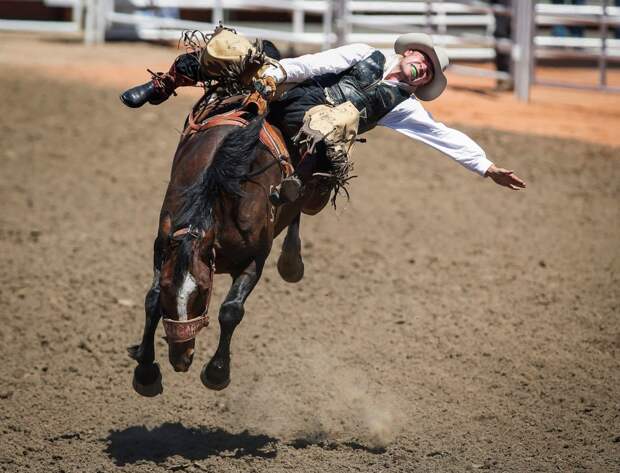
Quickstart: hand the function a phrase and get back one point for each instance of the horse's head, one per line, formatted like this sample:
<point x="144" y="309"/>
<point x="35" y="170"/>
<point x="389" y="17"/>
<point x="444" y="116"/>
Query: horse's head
<point x="186" y="282"/>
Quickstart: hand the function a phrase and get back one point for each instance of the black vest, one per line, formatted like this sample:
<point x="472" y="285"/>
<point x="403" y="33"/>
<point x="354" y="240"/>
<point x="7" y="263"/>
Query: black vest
<point x="362" y="85"/>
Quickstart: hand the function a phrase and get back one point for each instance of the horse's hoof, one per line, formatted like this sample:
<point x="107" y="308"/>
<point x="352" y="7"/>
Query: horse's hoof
<point x="290" y="267"/>
<point x="211" y="384"/>
<point x="147" y="380"/>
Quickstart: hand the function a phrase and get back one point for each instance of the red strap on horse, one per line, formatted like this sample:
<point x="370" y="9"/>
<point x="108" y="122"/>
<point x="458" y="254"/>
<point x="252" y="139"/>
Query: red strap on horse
<point x="268" y="134"/>
<point x="274" y="143"/>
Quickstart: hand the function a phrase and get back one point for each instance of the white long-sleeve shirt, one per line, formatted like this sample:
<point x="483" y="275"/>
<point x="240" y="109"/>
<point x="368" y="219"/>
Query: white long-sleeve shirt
<point x="409" y="117"/>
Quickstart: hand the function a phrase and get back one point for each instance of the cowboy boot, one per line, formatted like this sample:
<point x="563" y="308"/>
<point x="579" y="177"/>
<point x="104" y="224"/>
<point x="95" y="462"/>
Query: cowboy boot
<point x="158" y="89"/>
<point x="287" y="192"/>
<point x="334" y="171"/>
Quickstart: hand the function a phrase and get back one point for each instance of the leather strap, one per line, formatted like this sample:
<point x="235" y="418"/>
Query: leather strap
<point x="181" y="232"/>
<point x="234" y="117"/>
<point x="178" y="331"/>
<point x="267" y="135"/>
<point x="274" y="143"/>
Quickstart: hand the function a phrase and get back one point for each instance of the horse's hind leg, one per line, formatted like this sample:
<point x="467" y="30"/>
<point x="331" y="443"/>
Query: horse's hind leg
<point x="290" y="263"/>
<point x="216" y="373"/>
<point x="146" y="376"/>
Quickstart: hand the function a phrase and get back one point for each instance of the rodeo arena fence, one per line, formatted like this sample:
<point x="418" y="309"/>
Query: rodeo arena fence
<point x="467" y="29"/>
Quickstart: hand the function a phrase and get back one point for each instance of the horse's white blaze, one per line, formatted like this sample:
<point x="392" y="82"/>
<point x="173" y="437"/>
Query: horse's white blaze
<point x="186" y="289"/>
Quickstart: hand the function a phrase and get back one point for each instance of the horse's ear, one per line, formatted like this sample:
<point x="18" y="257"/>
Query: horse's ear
<point x="203" y="258"/>
<point x="209" y="235"/>
<point x="206" y="243"/>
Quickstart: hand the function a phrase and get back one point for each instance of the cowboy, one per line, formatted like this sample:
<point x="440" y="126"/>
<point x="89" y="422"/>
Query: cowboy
<point x="327" y="98"/>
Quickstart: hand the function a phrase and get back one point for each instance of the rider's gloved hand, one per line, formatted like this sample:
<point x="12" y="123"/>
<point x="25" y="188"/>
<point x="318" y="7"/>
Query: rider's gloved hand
<point x="268" y="78"/>
<point x="265" y="86"/>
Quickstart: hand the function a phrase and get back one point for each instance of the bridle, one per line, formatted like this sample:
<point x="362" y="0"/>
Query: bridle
<point x="178" y="331"/>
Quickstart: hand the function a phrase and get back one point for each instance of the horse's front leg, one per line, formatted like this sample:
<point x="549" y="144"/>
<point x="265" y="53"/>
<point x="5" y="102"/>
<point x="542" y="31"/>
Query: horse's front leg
<point x="216" y="373"/>
<point x="290" y="263"/>
<point x="147" y="376"/>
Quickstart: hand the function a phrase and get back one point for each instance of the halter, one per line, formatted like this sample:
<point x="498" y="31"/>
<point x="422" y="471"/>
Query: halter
<point x="178" y="331"/>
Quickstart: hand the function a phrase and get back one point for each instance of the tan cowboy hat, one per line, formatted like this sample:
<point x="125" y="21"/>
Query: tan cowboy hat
<point x="438" y="56"/>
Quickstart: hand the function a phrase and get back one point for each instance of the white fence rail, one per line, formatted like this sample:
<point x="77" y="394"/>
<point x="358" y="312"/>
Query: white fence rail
<point x="463" y="27"/>
<point x="432" y="16"/>
<point x="74" y="25"/>
<point x="157" y="28"/>
<point x="379" y="24"/>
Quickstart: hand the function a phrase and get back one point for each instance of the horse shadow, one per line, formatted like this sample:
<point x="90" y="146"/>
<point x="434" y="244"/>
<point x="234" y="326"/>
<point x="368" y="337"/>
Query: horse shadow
<point x="138" y="444"/>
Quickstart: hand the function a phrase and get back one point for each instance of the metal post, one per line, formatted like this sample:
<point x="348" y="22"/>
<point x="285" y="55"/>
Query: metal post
<point x="298" y="18"/>
<point x="602" y="60"/>
<point x="76" y="13"/>
<point x="428" y="17"/>
<point x="90" y="21"/>
<point x="327" y="25"/>
<point x="217" y="14"/>
<point x="101" y="20"/>
<point x="523" y="50"/>
<point x="442" y="27"/>
<point x="340" y="16"/>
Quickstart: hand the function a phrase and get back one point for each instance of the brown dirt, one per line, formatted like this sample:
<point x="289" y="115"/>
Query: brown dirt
<point x="444" y="324"/>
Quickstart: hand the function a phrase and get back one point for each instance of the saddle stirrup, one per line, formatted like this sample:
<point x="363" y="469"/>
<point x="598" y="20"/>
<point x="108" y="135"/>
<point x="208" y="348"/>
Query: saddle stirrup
<point x="287" y="192"/>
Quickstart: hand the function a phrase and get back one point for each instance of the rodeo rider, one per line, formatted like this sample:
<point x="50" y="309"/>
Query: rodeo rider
<point x="329" y="97"/>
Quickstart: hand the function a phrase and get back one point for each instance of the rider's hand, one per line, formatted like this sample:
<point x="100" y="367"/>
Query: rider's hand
<point x="504" y="177"/>
<point x="265" y="86"/>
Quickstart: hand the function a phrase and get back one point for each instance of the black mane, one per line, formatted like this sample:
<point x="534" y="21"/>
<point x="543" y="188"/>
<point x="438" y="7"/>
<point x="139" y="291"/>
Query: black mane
<point x="230" y="165"/>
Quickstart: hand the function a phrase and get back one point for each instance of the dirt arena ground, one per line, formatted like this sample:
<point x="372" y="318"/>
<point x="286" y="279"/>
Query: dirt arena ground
<point x="444" y="324"/>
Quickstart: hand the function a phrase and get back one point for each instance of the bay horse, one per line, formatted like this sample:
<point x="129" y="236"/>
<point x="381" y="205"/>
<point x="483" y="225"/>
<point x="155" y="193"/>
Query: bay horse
<point x="216" y="217"/>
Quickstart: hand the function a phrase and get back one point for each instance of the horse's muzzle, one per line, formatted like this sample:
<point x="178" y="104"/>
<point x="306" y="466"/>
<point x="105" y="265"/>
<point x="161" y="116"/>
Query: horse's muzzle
<point x="178" y="331"/>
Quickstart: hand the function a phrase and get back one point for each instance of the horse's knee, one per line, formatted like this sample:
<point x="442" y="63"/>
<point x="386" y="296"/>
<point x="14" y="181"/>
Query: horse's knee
<point x="151" y="300"/>
<point x="231" y="314"/>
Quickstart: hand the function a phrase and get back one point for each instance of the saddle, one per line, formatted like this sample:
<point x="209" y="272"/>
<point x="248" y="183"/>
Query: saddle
<point x="238" y="111"/>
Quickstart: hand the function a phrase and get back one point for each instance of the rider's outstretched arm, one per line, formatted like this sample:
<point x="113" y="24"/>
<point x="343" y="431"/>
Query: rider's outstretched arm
<point x="411" y="119"/>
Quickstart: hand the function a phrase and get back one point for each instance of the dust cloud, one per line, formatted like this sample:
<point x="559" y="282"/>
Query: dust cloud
<point x="327" y="401"/>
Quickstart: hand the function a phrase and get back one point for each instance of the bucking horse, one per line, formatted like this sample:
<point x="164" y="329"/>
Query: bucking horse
<point x="217" y="218"/>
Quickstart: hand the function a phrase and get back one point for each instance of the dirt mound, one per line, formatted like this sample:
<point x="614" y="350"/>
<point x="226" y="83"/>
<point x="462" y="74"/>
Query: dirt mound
<point x="444" y="324"/>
